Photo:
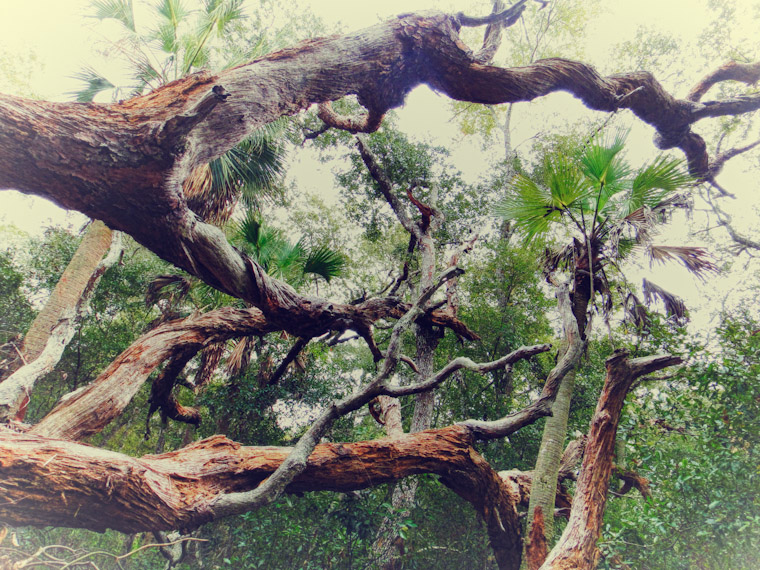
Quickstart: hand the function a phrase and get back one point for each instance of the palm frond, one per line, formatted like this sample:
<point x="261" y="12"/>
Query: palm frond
<point x="565" y="182"/>
<point x="119" y="10"/>
<point x="674" y="306"/>
<point x="173" y="12"/>
<point x="94" y="84"/>
<point x="171" y="287"/>
<point x="558" y="258"/>
<point x="654" y="183"/>
<point x="530" y="207"/>
<point x="636" y="313"/>
<point x="263" y="243"/>
<point x="695" y="259"/>
<point x="325" y="262"/>
<point x="210" y="358"/>
<point x="240" y="357"/>
<point x="220" y="13"/>
<point x="600" y="161"/>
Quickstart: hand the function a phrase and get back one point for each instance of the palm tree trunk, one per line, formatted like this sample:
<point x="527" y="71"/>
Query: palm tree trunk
<point x="53" y="327"/>
<point x="544" y="488"/>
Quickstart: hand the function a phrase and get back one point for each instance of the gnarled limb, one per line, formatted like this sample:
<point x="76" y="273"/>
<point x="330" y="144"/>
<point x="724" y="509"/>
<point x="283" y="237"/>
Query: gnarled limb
<point x="104" y="160"/>
<point x="577" y="547"/>
<point x="89" y="410"/>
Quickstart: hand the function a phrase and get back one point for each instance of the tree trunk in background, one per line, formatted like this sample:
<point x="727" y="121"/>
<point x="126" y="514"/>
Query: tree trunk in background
<point x="55" y="325"/>
<point x="68" y="291"/>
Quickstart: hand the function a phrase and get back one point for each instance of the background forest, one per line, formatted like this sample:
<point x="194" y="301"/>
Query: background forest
<point x="524" y="196"/>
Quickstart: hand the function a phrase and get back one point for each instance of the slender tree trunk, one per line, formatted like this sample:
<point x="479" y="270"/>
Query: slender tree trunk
<point x="544" y="488"/>
<point x="69" y="289"/>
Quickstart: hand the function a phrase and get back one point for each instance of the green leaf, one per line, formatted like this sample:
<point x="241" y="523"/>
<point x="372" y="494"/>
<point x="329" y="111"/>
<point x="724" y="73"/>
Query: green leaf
<point x="94" y="84"/>
<point x="325" y="262"/>
<point x="119" y="10"/>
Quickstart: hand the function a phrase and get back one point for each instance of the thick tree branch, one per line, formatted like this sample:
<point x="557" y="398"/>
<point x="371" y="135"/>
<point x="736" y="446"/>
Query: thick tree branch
<point x="577" y="548"/>
<point x="89" y="410"/>
<point x="506" y="17"/>
<point x="385" y="185"/>
<point x="104" y="160"/>
<point x="748" y="73"/>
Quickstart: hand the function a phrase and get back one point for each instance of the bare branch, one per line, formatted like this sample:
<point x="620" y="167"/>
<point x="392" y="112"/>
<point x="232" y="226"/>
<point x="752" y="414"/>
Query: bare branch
<point x="366" y="124"/>
<point x="542" y="406"/>
<point x="505" y="18"/>
<point x="748" y="73"/>
<point x="465" y="363"/>
<point x="385" y="184"/>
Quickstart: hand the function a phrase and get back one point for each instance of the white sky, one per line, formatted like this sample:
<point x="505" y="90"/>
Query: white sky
<point x="63" y="40"/>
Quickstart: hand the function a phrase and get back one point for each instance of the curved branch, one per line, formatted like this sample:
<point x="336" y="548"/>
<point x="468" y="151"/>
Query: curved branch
<point x="506" y="17"/>
<point x="89" y="410"/>
<point x="748" y="73"/>
<point x="541" y="407"/>
<point x="463" y="362"/>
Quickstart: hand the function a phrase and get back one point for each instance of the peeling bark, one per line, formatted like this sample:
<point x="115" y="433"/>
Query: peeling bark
<point x="54" y="482"/>
<point x="577" y="548"/>
<point x="89" y="410"/>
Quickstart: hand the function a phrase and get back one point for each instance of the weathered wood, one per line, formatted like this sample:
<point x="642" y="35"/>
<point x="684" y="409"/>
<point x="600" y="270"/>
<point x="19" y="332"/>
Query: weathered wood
<point x="53" y="482"/>
<point x="577" y="548"/>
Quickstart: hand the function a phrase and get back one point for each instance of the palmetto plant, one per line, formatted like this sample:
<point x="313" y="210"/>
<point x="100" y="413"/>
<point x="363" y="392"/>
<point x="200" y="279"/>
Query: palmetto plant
<point x="292" y="262"/>
<point x="607" y="207"/>
<point x="179" y="42"/>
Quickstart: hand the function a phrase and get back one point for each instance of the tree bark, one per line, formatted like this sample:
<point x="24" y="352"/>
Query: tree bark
<point x="105" y="160"/>
<point x="70" y="287"/>
<point x="55" y="326"/>
<point x="577" y="548"/>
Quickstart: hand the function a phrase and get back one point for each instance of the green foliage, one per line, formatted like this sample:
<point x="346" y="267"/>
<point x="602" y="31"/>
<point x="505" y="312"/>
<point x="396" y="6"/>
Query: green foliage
<point x="284" y="259"/>
<point x="16" y="312"/>
<point x="696" y="439"/>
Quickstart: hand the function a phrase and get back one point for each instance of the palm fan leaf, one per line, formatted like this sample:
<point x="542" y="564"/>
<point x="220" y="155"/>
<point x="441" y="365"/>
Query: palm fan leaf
<point x="250" y="171"/>
<point x="600" y="162"/>
<point x="94" y="84"/>
<point x="119" y="10"/>
<point x="654" y="183"/>
<point x="695" y="259"/>
<point x="558" y="258"/>
<point x="220" y="13"/>
<point x="673" y="305"/>
<point x="530" y="208"/>
<point x="263" y="243"/>
<point x="565" y="182"/>
<point x="325" y="262"/>
<point x="636" y="312"/>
